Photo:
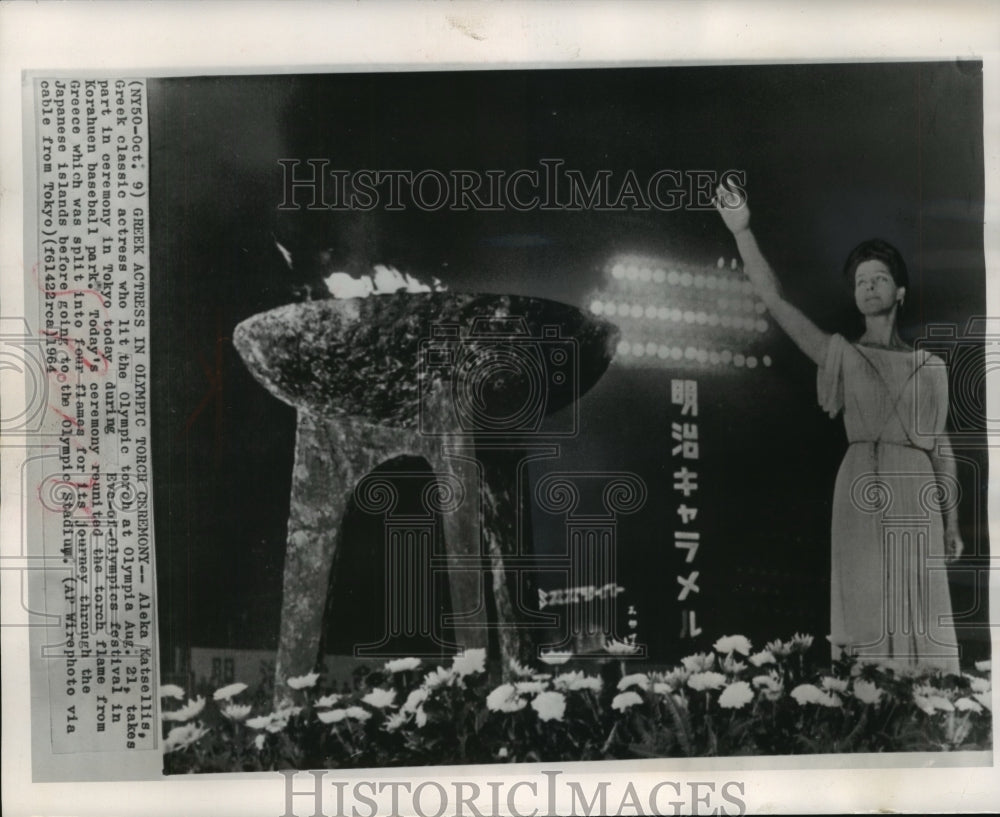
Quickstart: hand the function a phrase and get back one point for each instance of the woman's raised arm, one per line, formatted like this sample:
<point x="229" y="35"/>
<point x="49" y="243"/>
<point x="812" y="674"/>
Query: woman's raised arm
<point x="807" y="336"/>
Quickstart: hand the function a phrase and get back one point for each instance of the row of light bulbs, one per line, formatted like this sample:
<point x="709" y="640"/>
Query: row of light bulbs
<point x="691" y="354"/>
<point x="664" y="313"/>
<point x="657" y="275"/>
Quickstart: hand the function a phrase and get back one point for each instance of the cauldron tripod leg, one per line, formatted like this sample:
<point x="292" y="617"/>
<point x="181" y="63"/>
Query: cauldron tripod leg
<point x="462" y="541"/>
<point x="331" y="457"/>
<point x="320" y="493"/>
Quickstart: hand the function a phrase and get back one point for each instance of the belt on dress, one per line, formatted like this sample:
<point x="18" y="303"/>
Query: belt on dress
<point x="876" y="443"/>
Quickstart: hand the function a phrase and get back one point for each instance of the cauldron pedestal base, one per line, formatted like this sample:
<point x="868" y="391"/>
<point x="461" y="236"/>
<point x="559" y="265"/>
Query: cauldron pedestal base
<point x="479" y="505"/>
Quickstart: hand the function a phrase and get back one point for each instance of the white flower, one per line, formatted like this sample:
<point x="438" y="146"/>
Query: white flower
<point x="420" y="716"/>
<point x="529" y="687"/>
<point x="565" y="680"/>
<point x="933" y="703"/>
<point x="978" y="684"/>
<point x="778" y="648"/>
<point x="623" y="700"/>
<point x="358" y="713"/>
<point x="395" y="720"/>
<point x="732" y="666"/>
<point x="576" y="680"/>
<point x="733" y="643"/>
<point x="332" y="715"/>
<point x="769" y="685"/>
<point x="699" y="662"/>
<point x="800" y="642"/>
<point x="260" y="722"/>
<point x="227" y="692"/>
<point x="831" y="684"/>
<point x="277" y="721"/>
<point x="380" y="698"/>
<point x="810" y="694"/>
<point x="758" y="659"/>
<point x="259" y="741"/>
<point x="415" y="698"/>
<point x="736" y="695"/>
<point x="616" y="647"/>
<point x="190" y="710"/>
<point x="472" y="662"/>
<point x="706" y="680"/>
<point x="554" y="658"/>
<point x="591" y="682"/>
<point x="673" y="680"/>
<point x="181" y="736"/>
<point x="518" y="669"/>
<point x="983" y="666"/>
<point x="502" y="752"/>
<point x="172" y="691"/>
<point x="328" y="700"/>
<point x="638" y="679"/>
<point x="438" y="676"/>
<point x="236" y="712"/>
<point x="550" y="706"/>
<point x="867" y="692"/>
<point x="402" y="664"/>
<point x="967" y="705"/>
<point x="303" y="681"/>
<point x="505" y="699"/>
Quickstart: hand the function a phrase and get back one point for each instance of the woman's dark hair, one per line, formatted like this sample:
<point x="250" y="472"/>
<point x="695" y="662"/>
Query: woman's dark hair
<point x="878" y="250"/>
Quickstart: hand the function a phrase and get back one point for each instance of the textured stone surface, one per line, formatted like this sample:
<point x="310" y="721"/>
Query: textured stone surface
<point x="359" y="357"/>
<point x="352" y="369"/>
<point x="331" y="458"/>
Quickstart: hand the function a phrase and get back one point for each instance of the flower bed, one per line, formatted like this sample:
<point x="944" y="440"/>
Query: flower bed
<point x="732" y="701"/>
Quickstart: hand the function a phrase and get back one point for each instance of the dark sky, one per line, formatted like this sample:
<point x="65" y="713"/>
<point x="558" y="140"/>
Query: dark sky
<point x="832" y="153"/>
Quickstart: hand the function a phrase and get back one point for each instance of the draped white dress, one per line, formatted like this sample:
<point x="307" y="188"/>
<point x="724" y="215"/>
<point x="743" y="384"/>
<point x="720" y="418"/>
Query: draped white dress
<point x="889" y="585"/>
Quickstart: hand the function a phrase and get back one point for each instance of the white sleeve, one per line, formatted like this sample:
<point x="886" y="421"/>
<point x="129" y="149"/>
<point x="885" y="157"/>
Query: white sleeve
<point x="830" y="377"/>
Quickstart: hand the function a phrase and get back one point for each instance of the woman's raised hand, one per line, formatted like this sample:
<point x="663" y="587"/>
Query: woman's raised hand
<point x="733" y="209"/>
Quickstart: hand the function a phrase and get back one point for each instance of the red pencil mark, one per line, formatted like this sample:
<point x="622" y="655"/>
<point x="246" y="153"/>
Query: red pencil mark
<point x="67" y="418"/>
<point x="75" y="347"/>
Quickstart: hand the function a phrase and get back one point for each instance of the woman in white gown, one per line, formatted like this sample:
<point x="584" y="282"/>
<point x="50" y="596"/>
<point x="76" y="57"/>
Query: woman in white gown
<point x="894" y="506"/>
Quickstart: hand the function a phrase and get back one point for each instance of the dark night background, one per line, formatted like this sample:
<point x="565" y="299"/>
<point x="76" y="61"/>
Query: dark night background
<point x="833" y="154"/>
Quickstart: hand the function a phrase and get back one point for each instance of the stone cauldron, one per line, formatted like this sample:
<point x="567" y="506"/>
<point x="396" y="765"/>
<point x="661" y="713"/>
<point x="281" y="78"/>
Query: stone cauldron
<point x="470" y="382"/>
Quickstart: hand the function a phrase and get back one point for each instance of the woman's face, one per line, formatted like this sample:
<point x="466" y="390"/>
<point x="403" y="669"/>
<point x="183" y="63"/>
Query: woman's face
<point x="875" y="292"/>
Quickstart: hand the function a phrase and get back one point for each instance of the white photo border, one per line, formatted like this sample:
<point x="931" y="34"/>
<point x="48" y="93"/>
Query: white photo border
<point x="186" y="38"/>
